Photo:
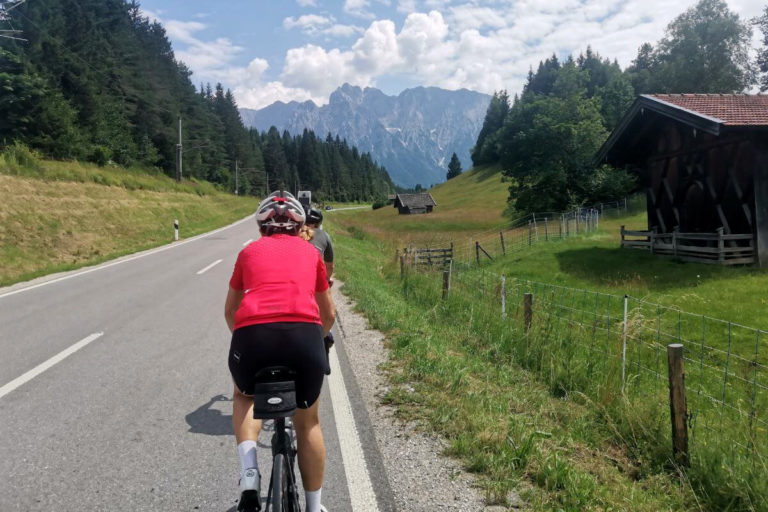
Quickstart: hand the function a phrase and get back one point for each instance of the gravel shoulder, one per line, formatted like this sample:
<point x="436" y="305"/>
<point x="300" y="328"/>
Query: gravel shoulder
<point x="421" y="478"/>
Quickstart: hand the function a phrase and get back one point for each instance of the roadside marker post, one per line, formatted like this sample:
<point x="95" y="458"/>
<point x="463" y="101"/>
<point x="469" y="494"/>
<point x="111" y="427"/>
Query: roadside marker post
<point x="176" y="230"/>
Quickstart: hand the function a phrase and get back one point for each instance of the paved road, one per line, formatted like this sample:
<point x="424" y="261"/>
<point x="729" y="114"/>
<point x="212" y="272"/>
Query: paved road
<point x="114" y="391"/>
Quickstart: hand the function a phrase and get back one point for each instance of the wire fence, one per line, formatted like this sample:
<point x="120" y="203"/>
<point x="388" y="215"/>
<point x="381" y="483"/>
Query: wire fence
<point x="527" y="231"/>
<point x="607" y="345"/>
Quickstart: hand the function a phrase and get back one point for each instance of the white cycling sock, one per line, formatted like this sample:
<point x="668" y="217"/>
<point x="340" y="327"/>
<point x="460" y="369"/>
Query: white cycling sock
<point x="247" y="452"/>
<point x="313" y="500"/>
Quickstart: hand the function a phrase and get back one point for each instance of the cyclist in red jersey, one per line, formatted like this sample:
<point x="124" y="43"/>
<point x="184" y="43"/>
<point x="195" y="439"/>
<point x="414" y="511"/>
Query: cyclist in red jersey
<point x="278" y="308"/>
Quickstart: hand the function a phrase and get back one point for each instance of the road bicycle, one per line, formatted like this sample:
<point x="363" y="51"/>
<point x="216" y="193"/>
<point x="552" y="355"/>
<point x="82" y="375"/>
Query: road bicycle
<point x="274" y="398"/>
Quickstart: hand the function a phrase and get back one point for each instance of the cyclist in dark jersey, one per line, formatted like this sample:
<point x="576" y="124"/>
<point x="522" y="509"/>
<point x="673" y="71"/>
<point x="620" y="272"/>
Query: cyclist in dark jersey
<point x="278" y="308"/>
<point x="321" y="240"/>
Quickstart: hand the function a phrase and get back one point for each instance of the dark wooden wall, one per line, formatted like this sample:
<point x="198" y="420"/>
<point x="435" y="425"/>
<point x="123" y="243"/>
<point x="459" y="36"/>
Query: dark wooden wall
<point x="697" y="182"/>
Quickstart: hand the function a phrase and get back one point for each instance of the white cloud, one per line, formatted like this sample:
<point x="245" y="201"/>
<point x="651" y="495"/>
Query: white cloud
<point x="358" y="8"/>
<point x="465" y="17"/>
<point x="342" y="30"/>
<point x="308" y="22"/>
<point x="377" y="51"/>
<point x="315" y="25"/>
<point x="319" y="71"/>
<point x="406" y="6"/>
<point x="484" y="45"/>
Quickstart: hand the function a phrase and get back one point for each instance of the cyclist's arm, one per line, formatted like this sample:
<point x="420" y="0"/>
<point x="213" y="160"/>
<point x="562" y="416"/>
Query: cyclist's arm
<point x="329" y="271"/>
<point x="230" y="306"/>
<point x="327" y="310"/>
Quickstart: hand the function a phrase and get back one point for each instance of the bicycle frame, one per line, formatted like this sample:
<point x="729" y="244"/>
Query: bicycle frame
<point x="275" y="398"/>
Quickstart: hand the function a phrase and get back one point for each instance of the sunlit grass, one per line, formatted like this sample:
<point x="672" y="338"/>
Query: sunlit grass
<point x="49" y="225"/>
<point x="523" y="412"/>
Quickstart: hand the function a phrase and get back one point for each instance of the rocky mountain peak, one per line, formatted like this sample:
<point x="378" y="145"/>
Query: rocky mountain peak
<point x="413" y="134"/>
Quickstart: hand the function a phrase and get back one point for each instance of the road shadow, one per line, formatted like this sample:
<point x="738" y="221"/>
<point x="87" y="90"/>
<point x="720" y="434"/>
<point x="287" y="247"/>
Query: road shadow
<point x="210" y="421"/>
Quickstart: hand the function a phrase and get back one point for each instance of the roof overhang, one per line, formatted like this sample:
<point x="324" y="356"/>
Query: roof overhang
<point x="644" y="103"/>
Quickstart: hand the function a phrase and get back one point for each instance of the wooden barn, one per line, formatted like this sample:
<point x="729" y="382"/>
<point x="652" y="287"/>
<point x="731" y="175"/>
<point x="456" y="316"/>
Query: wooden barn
<point x="702" y="160"/>
<point x="414" y="203"/>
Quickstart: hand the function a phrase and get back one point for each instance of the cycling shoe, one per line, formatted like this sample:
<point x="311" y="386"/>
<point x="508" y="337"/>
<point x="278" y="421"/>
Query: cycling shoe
<point x="250" y="495"/>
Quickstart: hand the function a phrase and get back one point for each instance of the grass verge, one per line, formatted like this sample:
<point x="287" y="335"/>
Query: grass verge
<point x="49" y="223"/>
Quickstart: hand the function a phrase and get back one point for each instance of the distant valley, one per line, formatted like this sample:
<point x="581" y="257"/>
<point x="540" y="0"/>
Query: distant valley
<point x="413" y="134"/>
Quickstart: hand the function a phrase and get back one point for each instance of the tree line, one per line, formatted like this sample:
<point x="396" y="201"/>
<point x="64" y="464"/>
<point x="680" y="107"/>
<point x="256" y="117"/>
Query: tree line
<point x="546" y="138"/>
<point x="95" y="80"/>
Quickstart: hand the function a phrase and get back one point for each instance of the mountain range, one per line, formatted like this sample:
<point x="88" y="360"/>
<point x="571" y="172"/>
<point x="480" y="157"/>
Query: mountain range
<point x="412" y="134"/>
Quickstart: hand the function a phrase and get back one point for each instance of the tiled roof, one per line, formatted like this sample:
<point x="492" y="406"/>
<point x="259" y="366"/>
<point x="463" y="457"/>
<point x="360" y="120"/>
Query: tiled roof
<point x="416" y="200"/>
<point x="730" y="109"/>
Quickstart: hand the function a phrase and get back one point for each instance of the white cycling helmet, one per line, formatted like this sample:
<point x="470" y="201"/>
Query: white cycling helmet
<point x="280" y="212"/>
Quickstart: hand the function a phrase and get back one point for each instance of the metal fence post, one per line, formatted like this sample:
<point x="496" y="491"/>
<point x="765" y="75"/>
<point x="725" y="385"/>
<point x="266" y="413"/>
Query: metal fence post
<point x="624" y="346"/>
<point x="503" y="297"/>
<point x="503" y="249"/>
<point x="677" y="405"/>
<point x="529" y="233"/>
<point x="546" y="229"/>
<point x="477" y="251"/>
<point x="528" y="310"/>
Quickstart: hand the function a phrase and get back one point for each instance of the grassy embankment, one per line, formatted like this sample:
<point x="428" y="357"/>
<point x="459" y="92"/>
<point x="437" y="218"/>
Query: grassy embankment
<point x="57" y="216"/>
<point x="522" y="412"/>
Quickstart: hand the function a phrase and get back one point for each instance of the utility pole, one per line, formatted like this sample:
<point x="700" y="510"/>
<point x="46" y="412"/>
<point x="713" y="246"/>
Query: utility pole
<point x="178" y="154"/>
<point x="236" y="187"/>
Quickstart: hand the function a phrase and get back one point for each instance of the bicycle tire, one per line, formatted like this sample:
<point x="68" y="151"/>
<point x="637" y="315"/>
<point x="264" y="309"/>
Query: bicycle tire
<point x="280" y="496"/>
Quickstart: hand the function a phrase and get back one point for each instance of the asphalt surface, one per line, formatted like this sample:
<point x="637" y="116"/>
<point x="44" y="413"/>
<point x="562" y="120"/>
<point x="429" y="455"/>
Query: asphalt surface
<point x="139" y="418"/>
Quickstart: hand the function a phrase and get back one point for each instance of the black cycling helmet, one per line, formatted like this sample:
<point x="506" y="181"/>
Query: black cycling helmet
<point x="314" y="216"/>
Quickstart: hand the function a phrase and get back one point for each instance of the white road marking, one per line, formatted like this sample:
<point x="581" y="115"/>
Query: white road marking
<point x="209" y="267"/>
<point x="107" y="265"/>
<point x="359" y="483"/>
<point x="37" y="370"/>
<point x="249" y="241"/>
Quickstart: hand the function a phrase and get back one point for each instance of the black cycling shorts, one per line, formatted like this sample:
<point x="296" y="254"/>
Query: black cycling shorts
<point x="297" y="345"/>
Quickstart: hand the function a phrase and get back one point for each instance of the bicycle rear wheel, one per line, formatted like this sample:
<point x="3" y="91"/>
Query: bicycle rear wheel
<point x="280" y="496"/>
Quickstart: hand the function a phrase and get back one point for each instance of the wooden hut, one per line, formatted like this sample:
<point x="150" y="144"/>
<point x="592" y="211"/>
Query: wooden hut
<point x="702" y="160"/>
<point x="414" y="203"/>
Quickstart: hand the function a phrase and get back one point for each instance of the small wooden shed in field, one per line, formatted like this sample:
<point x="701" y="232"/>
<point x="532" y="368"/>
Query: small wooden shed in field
<point x="702" y="160"/>
<point x="414" y="203"/>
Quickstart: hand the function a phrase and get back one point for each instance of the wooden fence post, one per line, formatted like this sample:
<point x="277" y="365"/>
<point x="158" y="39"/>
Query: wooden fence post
<point x="477" y="251"/>
<point x="674" y="240"/>
<point x="529" y="233"/>
<point x="446" y="282"/>
<point x="651" y="239"/>
<point x="402" y="265"/>
<point x="720" y="245"/>
<point x="528" y="311"/>
<point x="503" y="249"/>
<point x="622" y="235"/>
<point x="546" y="229"/>
<point x="677" y="406"/>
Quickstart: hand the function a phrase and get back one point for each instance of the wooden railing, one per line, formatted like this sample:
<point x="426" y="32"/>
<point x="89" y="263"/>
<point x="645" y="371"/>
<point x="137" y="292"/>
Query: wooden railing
<point x="718" y="248"/>
<point x="428" y="257"/>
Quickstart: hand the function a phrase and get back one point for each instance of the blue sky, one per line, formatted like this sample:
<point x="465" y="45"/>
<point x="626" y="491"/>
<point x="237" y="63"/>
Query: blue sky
<point x="270" y="50"/>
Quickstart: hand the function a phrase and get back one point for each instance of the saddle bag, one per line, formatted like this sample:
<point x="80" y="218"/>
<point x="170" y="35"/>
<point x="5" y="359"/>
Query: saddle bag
<point x="274" y="400"/>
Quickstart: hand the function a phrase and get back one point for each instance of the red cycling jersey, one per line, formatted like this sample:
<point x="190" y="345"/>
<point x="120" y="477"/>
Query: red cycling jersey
<point x="280" y="275"/>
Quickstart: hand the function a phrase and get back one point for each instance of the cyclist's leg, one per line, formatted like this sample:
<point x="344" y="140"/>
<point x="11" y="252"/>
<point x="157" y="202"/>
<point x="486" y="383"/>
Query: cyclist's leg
<point x="311" y="447"/>
<point x="246" y="427"/>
